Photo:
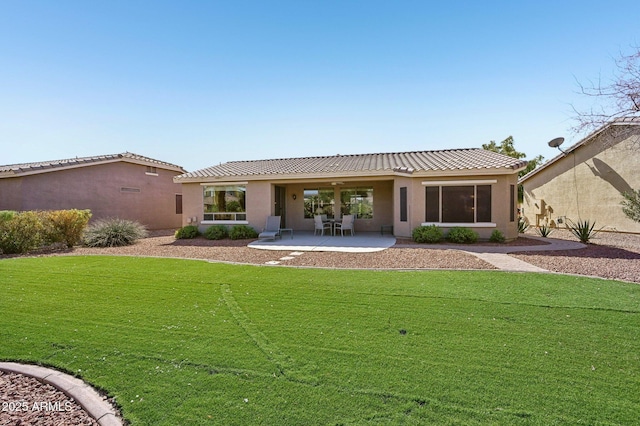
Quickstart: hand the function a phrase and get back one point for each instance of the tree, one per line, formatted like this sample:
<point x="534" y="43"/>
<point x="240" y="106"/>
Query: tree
<point x="506" y="148"/>
<point x="615" y="99"/>
<point x="631" y="204"/>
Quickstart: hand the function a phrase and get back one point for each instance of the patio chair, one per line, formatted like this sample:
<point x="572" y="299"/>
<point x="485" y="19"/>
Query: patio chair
<point x="271" y="229"/>
<point x="345" y="225"/>
<point x="320" y="225"/>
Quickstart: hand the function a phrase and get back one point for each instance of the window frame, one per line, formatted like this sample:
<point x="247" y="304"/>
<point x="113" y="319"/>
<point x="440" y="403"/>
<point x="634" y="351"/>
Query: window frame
<point x="318" y="203"/>
<point x="230" y="217"/>
<point x="429" y="213"/>
<point x="346" y="208"/>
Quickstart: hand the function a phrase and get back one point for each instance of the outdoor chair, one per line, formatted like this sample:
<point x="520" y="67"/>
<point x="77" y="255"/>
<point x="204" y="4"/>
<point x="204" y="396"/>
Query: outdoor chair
<point x="320" y="225"/>
<point x="345" y="225"/>
<point x="271" y="229"/>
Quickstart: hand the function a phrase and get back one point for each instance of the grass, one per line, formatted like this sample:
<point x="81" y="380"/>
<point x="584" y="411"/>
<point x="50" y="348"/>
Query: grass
<point x="190" y="342"/>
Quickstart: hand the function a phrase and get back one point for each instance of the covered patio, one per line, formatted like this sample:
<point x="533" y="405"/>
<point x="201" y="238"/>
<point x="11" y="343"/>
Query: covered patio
<point x="362" y="242"/>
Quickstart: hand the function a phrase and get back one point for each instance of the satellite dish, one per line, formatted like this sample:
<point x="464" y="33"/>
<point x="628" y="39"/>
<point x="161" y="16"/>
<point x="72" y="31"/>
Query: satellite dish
<point x="555" y="143"/>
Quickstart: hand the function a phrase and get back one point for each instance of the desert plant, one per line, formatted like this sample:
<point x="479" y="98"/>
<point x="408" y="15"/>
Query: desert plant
<point x="242" y="232"/>
<point x="427" y="234"/>
<point x="544" y="230"/>
<point x="631" y="204"/>
<point x="462" y="235"/>
<point x="113" y="232"/>
<point x="523" y="225"/>
<point x="216" y="232"/>
<point x="187" y="232"/>
<point x="583" y="230"/>
<point x="497" y="236"/>
<point x="22" y="232"/>
<point x="66" y="226"/>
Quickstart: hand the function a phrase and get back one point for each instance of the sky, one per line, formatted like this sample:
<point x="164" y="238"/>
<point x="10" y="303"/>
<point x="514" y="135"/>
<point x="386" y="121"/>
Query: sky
<point x="198" y="83"/>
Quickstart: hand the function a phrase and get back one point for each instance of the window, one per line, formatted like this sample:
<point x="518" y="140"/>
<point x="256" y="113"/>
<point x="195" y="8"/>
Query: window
<point x="357" y="201"/>
<point x="318" y="201"/>
<point x="178" y="203"/>
<point x="458" y="204"/>
<point x="512" y="203"/>
<point x="151" y="170"/>
<point x="403" y="204"/>
<point x="225" y="202"/>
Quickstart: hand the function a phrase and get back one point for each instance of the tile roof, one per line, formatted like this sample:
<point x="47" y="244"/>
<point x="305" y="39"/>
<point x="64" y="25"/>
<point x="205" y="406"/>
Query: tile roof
<point x="472" y="159"/>
<point x="44" y="166"/>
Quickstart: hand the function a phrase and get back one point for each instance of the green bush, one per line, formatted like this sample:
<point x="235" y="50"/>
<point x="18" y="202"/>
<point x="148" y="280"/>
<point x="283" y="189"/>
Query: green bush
<point x="114" y="232"/>
<point x="65" y="226"/>
<point x="427" y="234"/>
<point x="242" y="232"/>
<point x="21" y="233"/>
<point x="186" y="232"/>
<point x="461" y="235"/>
<point x="216" y="232"/>
<point x="7" y="215"/>
<point x="497" y="236"/>
<point x="583" y="230"/>
<point x="630" y="204"/>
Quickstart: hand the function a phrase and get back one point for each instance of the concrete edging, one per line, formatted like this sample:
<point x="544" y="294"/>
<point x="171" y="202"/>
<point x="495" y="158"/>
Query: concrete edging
<point x="88" y="398"/>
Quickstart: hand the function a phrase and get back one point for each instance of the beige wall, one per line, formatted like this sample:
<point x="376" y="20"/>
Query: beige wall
<point x="586" y="184"/>
<point x="261" y="203"/>
<point x="500" y="202"/>
<point x="148" y="199"/>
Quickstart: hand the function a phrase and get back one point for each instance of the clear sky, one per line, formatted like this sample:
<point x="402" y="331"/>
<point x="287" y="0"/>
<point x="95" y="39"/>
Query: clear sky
<point x="198" y="83"/>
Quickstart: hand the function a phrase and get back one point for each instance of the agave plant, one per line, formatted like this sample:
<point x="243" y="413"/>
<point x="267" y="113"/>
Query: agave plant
<point x="544" y="230"/>
<point x="583" y="230"/>
<point x="523" y="225"/>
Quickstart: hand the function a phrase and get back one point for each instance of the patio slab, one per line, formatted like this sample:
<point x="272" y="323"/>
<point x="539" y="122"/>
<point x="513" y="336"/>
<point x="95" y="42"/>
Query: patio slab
<point x="362" y="242"/>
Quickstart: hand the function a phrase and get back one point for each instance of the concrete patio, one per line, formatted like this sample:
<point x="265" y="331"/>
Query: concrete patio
<point x="362" y="242"/>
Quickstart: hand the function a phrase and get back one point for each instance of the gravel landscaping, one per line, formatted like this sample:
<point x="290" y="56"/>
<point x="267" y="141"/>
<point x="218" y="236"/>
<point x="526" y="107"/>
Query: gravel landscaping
<point x="610" y="255"/>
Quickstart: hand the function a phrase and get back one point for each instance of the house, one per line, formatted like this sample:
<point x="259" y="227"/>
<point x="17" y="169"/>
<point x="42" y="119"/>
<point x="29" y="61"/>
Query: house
<point x="398" y="191"/>
<point x="587" y="180"/>
<point x="127" y="186"/>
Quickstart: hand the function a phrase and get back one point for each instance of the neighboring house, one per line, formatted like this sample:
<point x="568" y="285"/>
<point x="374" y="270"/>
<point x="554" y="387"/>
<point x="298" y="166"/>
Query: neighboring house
<point x="127" y="186"/>
<point x="460" y="187"/>
<point x="587" y="181"/>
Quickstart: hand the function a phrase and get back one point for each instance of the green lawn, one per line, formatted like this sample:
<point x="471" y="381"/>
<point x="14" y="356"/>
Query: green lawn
<point x="181" y="342"/>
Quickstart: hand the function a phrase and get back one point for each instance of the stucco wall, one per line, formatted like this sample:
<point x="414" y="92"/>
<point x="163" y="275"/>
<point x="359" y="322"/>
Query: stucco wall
<point x="119" y="189"/>
<point x="586" y="184"/>
<point x="386" y="195"/>
<point x="500" y="205"/>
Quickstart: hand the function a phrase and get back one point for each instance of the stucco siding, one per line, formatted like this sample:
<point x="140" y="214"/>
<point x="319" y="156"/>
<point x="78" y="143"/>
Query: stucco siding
<point x="117" y="189"/>
<point x="586" y="184"/>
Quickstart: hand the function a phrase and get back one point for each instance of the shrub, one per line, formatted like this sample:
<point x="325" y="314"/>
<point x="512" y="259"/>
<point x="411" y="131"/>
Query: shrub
<point x="216" y="232"/>
<point x="242" y="232"/>
<point x="22" y="232"/>
<point x="114" y="232"/>
<point x="461" y="235"/>
<point x="189" y="231"/>
<point x="630" y="204"/>
<point x="497" y="236"/>
<point x="583" y="230"/>
<point x="427" y="234"/>
<point x="6" y="215"/>
<point x="544" y="230"/>
<point x="66" y="226"/>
